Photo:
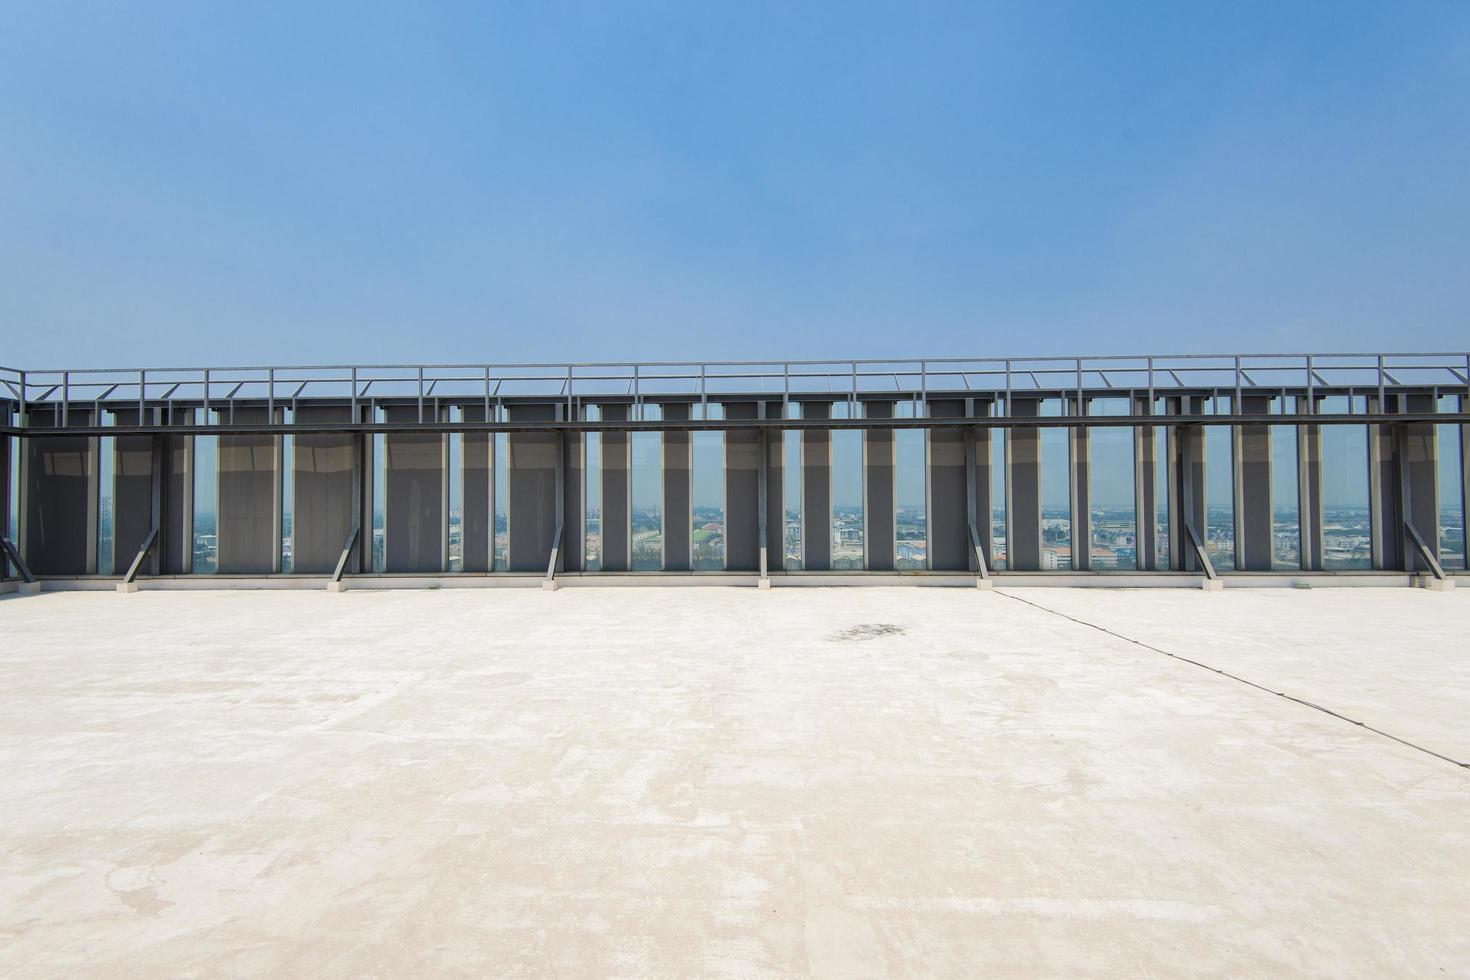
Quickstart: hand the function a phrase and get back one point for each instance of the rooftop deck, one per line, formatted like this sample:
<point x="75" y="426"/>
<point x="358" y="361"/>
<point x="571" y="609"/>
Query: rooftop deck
<point x="681" y="782"/>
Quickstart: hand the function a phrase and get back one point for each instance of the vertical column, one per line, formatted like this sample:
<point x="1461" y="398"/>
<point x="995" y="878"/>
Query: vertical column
<point x="1309" y="489"/>
<point x="742" y="490"/>
<point x="176" y="548"/>
<point x="60" y="499"/>
<point x="879" y="488"/>
<point x="816" y="490"/>
<point x="413" y="513"/>
<point x="949" y="513"/>
<point x="616" y="494"/>
<point x="323" y="489"/>
<point x="1080" y="490"/>
<point x="1253" y="488"/>
<point x="678" y="513"/>
<point x="1419" y="480"/>
<point x="533" y="490"/>
<point x="1023" y="489"/>
<point x="5" y="491"/>
<point x="1403" y="484"/>
<point x="248" y="541"/>
<point x="1145" y="500"/>
<point x="476" y="518"/>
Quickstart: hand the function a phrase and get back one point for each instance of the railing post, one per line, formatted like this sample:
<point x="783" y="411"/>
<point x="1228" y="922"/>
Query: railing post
<point x="65" y="396"/>
<point x="205" y="420"/>
<point x="353" y="382"/>
<point x="1311" y="387"/>
<point x="421" y="394"/>
<point x="142" y="398"/>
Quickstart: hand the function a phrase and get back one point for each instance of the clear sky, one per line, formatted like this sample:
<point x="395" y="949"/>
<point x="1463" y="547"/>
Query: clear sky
<point x="223" y="183"/>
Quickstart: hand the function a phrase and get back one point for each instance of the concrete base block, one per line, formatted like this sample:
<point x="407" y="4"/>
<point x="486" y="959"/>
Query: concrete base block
<point x="1213" y="585"/>
<point x="1435" y="584"/>
<point x="29" y="588"/>
<point x="550" y="585"/>
<point x="127" y="588"/>
<point x="764" y="583"/>
<point x="336" y="586"/>
<point x="985" y="583"/>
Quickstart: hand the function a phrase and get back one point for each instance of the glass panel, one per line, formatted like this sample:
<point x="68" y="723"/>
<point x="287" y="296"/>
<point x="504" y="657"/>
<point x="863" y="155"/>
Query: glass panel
<point x="1451" y="489"/>
<point x="1112" y="507"/>
<point x="455" y="470"/>
<point x="1219" y="497"/>
<point x="910" y="493"/>
<point x="288" y="473"/>
<point x="502" y="502"/>
<point x="1286" y="530"/>
<point x="847" y="494"/>
<point x="380" y="498"/>
<point x="1347" y="526"/>
<point x="1056" y="493"/>
<point x="647" y="495"/>
<point x="106" y="488"/>
<point x="998" y="498"/>
<point x="1161" y="495"/>
<point x="592" y="493"/>
<point x="791" y="500"/>
<point x="708" y="499"/>
<point x="206" y="498"/>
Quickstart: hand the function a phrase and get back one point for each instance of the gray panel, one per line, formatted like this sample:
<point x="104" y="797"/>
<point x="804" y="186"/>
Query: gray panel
<point x="1146" y="510"/>
<point x="6" y="570"/>
<point x="878" y="489"/>
<point x="1422" y="492"/>
<point x="1023" y="491"/>
<point x="616" y="492"/>
<point x="742" y="491"/>
<point x="1309" y="493"/>
<point x="775" y="487"/>
<point x="1253" y="482"/>
<point x="981" y="447"/>
<point x="1188" y="463"/>
<point x="816" y="490"/>
<point x="476" y="501"/>
<point x="324" y="504"/>
<point x="60" y="477"/>
<point x="678" y="517"/>
<point x="413" y="512"/>
<point x="532" y="489"/>
<point x="949" y="511"/>
<point x="175" y="551"/>
<point x="132" y="502"/>
<point x="247" y="500"/>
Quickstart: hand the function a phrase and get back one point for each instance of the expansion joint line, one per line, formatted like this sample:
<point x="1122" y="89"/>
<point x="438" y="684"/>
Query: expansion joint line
<point x="1237" y="678"/>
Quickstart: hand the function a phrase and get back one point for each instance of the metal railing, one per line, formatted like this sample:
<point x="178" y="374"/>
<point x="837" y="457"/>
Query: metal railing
<point x="223" y="389"/>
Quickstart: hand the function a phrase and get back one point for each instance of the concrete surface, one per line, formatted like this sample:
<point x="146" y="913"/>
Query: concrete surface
<point x="718" y="782"/>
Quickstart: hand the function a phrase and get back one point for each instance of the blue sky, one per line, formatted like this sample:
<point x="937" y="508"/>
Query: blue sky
<point x="227" y="183"/>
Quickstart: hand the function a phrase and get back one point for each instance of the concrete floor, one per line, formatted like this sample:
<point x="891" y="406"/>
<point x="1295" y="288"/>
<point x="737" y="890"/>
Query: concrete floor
<point x="727" y="782"/>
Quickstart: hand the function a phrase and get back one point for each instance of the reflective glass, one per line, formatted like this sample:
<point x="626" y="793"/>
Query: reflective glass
<point x="1056" y="493"/>
<point x="1347" y="525"/>
<point x="1111" y="498"/>
<point x="1161" y="495"/>
<point x="1219" y="497"/>
<point x="707" y="536"/>
<point x="287" y="445"/>
<point x="454" y="513"/>
<point x="847" y="494"/>
<point x="1286" y="530"/>
<point x="502" y="502"/>
<point x="647" y="495"/>
<point x="911" y="495"/>
<point x="106" y="489"/>
<point x="791" y="500"/>
<point x="206" y="497"/>
<point x="592" y="493"/>
<point x="1451" y="489"/>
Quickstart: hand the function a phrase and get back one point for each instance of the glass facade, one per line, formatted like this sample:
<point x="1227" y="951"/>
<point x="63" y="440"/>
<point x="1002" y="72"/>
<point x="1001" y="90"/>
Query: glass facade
<point x="791" y="541"/>
<point x="998" y="499"/>
<point x="106" y="492"/>
<point x="205" y="554"/>
<point x="646" y="500"/>
<point x="707" y="496"/>
<point x="1450" y="446"/>
<point x="1161" y="497"/>
<point x="1347" y="524"/>
<point x="1056" y="493"/>
<point x="910" y="494"/>
<point x="1220" y="497"/>
<point x="1286" y="528"/>
<point x="502" y="502"/>
<point x="454" y="453"/>
<point x="1112" y="510"/>
<point x="286" y="453"/>
<point x="848" y="530"/>
<point x="592" y="494"/>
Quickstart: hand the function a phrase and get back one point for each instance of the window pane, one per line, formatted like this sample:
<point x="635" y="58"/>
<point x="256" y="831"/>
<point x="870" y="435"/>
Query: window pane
<point x="791" y="500"/>
<point x="910" y="499"/>
<point x="288" y="496"/>
<point x="847" y="494"/>
<point x="455" y="515"/>
<point x="707" y="488"/>
<point x="592" y="493"/>
<point x="1451" y="490"/>
<point x="1219" y="497"/>
<point x="1347" y="526"/>
<point x="998" y="498"/>
<point x="647" y="501"/>
<point x="1110" y="491"/>
<point x="1056" y="493"/>
<point x="1286" y="531"/>
<point x="106" y="486"/>
<point x="1161" y="495"/>
<point x="206" y="492"/>
<point x="380" y="499"/>
<point x="502" y="502"/>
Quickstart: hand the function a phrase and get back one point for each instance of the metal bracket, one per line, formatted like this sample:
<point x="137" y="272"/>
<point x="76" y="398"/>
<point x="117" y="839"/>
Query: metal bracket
<point x="15" y="559"/>
<point x="1424" y="551"/>
<point x="1199" y="551"/>
<point x="346" y="553"/>
<point x="148" y="543"/>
